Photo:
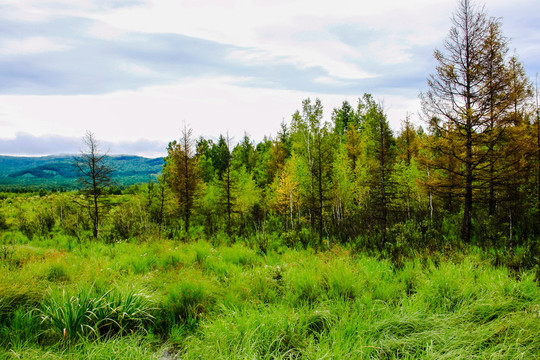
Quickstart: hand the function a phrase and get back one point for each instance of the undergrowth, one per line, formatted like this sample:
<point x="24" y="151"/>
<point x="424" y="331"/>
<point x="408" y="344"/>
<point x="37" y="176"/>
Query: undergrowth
<point x="152" y="300"/>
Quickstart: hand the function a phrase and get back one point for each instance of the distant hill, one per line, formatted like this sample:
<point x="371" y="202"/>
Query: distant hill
<point x="57" y="171"/>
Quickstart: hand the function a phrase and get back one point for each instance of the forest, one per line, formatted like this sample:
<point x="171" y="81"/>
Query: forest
<point x="333" y="239"/>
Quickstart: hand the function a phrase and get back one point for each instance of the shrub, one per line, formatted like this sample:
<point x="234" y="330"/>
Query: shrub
<point x="45" y="221"/>
<point x="124" y="222"/>
<point x="3" y="221"/>
<point x="27" y="225"/>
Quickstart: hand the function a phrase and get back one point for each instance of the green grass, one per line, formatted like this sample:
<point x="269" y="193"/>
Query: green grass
<point x="165" y="299"/>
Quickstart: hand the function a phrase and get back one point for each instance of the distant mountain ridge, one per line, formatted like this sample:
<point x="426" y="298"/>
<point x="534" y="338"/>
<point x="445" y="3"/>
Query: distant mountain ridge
<point x="57" y="171"/>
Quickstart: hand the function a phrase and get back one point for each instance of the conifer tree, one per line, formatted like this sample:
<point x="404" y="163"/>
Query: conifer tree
<point x="182" y="173"/>
<point x="313" y="146"/>
<point x="95" y="174"/>
<point x="465" y="102"/>
<point x="379" y="159"/>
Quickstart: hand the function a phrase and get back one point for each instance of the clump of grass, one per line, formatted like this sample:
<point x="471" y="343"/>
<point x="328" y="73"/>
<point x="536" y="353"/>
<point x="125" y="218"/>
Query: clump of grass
<point x="318" y="322"/>
<point x="18" y="293"/>
<point x="87" y="316"/>
<point x="202" y="251"/>
<point x="267" y="283"/>
<point x="184" y="303"/>
<point x="239" y="255"/>
<point x="304" y="286"/>
<point x="137" y="347"/>
<point x="341" y="281"/>
<point x="266" y="333"/>
<point x="57" y="272"/>
<point x="19" y="329"/>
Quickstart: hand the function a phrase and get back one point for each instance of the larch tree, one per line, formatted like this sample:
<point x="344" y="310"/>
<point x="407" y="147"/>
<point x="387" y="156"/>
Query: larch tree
<point x="95" y="174"/>
<point x="537" y="150"/>
<point x="182" y="173"/>
<point x="228" y="182"/>
<point x="379" y="159"/>
<point x="407" y="144"/>
<point x="343" y="118"/>
<point x="457" y="103"/>
<point x="313" y="146"/>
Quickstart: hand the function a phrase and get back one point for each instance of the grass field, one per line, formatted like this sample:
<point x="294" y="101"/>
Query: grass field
<point x="60" y="299"/>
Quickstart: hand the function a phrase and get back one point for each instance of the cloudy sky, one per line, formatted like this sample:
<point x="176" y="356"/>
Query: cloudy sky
<point x="134" y="71"/>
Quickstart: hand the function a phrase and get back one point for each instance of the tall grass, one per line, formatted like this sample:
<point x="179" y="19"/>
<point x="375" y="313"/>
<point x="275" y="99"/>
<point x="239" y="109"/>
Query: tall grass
<point x="198" y="300"/>
<point x="86" y="315"/>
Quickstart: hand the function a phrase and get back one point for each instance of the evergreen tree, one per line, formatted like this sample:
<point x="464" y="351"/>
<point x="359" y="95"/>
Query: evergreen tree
<point x="379" y="157"/>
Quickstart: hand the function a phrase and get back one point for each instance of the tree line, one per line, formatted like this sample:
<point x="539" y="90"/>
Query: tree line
<point x="476" y="162"/>
<point x="469" y="175"/>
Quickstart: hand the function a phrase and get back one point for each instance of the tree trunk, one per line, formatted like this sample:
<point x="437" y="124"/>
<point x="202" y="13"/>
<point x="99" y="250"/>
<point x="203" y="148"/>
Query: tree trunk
<point x="320" y="179"/>
<point x="383" y="186"/>
<point x="96" y="217"/>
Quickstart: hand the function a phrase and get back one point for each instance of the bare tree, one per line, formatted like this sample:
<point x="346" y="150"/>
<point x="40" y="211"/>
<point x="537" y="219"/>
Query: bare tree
<point x="95" y="174"/>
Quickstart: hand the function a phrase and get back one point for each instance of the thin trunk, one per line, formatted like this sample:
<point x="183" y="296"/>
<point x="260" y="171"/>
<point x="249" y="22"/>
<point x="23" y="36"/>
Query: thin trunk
<point x="467" y="213"/>
<point x="95" y="194"/>
<point x="491" y="191"/>
<point x="186" y="188"/>
<point x="291" y="207"/>
<point x="511" y="236"/>
<point x="383" y="185"/>
<point x="430" y="198"/>
<point x="96" y="216"/>
<point x="162" y="205"/>
<point x="229" y="198"/>
<point x="320" y="210"/>
<point x="538" y="150"/>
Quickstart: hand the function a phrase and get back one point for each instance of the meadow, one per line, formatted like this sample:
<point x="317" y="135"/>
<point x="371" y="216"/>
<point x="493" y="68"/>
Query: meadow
<point x="63" y="298"/>
<point x="332" y="240"/>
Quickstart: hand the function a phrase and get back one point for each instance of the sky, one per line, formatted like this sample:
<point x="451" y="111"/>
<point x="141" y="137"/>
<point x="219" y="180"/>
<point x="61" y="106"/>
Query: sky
<point x="134" y="72"/>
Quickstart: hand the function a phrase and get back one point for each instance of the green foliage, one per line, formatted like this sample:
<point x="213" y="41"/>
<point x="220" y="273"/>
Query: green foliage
<point x="3" y="221"/>
<point x="126" y="221"/>
<point x="54" y="172"/>
<point x="27" y="226"/>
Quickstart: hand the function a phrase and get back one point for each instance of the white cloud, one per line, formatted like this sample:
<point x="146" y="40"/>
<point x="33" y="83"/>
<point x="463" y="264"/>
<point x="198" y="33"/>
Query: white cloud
<point x="31" y="45"/>
<point x="291" y="31"/>
<point x="350" y="40"/>
<point x="138" y="70"/>
<point x="211" y="106"/>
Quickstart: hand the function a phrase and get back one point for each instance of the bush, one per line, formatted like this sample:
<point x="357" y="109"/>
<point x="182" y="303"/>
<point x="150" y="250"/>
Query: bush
<point x="3" y="221"/>
<point x="125" y="223"/>
<point x="27" y="225"/>
<point x="45" y="221"/>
